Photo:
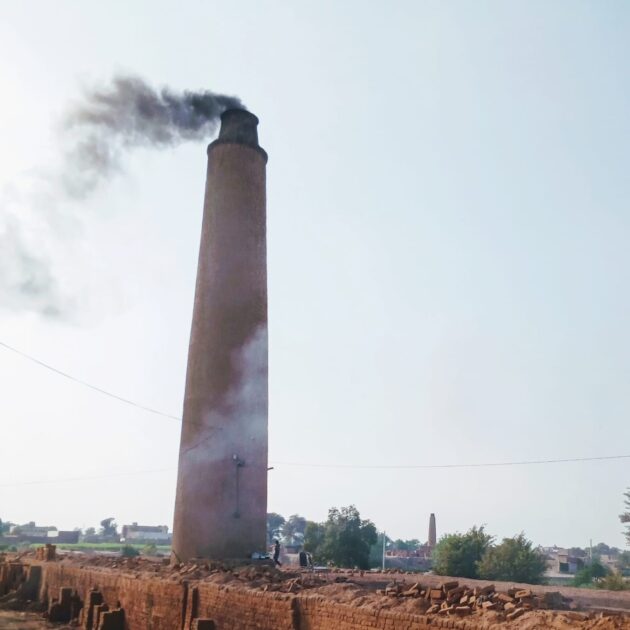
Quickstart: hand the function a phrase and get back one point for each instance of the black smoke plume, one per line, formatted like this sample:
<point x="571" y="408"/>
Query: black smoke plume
<point x="102" y="126"/>
<point x="129" y="113"/>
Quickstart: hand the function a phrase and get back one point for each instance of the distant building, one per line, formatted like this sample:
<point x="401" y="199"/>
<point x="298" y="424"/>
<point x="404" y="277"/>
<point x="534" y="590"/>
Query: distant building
<point x="30" y="530"/>
<point x="157" y="534"/>
<point x="65" y="537"/>
<point x="561" y="565"/>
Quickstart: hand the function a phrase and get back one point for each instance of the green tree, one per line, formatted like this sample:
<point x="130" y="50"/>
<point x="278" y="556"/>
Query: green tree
<point x="274" y="526"/>
<point x="514" y="560"/>
<point x="314" y="537"/>
<point x="293" y="529"/>
<point x="592" y="571"/>
<point x="602" y="549"/>
<point x="406" y="545"/>
<point x="459" y="554"/>
<point x="344" y="539"/>
<point x="623" y="561"/>
<point x="90" y="531"/>
<point x="625" y="517"/>
<point x="376" y="550"/>
<point x="108" y="528"/>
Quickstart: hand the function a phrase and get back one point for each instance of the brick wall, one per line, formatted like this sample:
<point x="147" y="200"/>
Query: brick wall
<point x="234" y="608"/>
<point x="149" y="603"/>
<point x="163" y="603"/>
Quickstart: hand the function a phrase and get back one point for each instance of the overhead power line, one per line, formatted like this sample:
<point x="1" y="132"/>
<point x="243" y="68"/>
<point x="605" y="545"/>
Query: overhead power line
<point x="350" y="466"/>
<point x="94" y="478"/>
<point x="86" y="384"/>
<point x="295" y="464"/>
<point x="477" y="465"/>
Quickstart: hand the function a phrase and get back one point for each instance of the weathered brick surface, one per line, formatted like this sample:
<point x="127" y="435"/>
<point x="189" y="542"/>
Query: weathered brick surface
<point x="320" y="613"/>
<point x="133" y="600"/>
<point x="256" y="609"/>
<point x="148" y="602"/>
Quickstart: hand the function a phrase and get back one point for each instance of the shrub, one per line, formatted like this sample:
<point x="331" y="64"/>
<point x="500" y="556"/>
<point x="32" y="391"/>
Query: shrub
<point x="590" y="572"/>
<point x="459" y="554"/>
<point x="129" y="552"/>
<point x="613" y="582"/>
<point x="513" y="560"/>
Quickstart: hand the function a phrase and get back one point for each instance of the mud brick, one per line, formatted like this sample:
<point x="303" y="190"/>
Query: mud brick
<point x="447" y="586"/>
<point x="65" y="595"/>
<point x="509" y="607"/>
<point x="463" y="610"/>
<point x="486" y="590"/>
<point x="113" y="620"/>
<point x="523" y="593"/>
<point x="453" y="595"/>
<point x="575" y="616"/>
<point x="489" y="605"/>
<point x="433" y="609"/>
<point x="505" y="598"/>
<point x="435" y="593"/>
<point x="514" y="614"/>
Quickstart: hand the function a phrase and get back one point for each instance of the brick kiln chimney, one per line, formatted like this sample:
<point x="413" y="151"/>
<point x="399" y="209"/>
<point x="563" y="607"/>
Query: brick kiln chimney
<point x="432" y="531"/>
<point x="221" y="502"/>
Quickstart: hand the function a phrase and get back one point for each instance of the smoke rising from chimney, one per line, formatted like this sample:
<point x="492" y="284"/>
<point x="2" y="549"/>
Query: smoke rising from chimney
<point x="97" y="131"/>
<point x="26" y="281"/>
<point x="127" y="114"/>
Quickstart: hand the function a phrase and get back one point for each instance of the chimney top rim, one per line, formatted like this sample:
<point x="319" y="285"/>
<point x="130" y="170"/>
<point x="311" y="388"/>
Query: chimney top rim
<point x="241" y="113"/>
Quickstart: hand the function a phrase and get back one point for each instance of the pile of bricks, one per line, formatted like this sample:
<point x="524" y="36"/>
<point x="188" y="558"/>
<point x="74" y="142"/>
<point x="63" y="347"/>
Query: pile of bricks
<point x="46" y="553"/>
<point x="95" y="615"/>
<point x="451" y="598"/>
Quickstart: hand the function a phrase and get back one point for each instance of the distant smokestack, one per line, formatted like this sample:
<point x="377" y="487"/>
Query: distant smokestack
<point x="432" y="531"/>
<point x="221" y="502"/>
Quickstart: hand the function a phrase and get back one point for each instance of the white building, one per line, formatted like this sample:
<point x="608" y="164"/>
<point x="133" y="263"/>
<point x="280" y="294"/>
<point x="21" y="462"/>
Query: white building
<point x="157" y="534"/>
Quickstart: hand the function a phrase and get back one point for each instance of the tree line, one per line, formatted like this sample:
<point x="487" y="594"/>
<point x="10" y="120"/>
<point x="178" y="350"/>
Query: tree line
<point x="345" y="539"/>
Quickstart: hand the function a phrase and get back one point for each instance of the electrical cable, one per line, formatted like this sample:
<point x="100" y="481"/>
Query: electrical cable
<point x="478" y="465"/>
<point x="293" y="464"/>
<point x="347" y="466"/>
<point x="94" y="478"/>
<point x="86" y="384"/>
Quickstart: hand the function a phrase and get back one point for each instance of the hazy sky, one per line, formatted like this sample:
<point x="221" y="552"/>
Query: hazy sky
<point x="448" y="259"/>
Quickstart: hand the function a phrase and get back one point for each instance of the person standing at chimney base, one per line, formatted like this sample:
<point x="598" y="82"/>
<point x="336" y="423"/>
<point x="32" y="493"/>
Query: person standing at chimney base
<point x="276" y="553"/>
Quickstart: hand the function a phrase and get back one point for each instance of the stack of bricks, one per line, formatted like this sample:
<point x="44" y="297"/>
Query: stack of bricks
<point x="231" y="600"/>
<point x="46" y="553"/>
<point x="451" y="598"/>
<point x="65" y="608"/>
<point x="12" y="574"/>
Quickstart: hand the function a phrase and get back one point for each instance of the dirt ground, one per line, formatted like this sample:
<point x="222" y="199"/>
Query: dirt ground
<point x="10" y="620"/>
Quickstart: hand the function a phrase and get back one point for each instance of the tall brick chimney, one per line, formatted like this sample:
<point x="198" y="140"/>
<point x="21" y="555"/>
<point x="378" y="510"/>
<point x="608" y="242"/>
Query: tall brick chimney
<point x="221" y="502"/>
<point x="432" y="531"/>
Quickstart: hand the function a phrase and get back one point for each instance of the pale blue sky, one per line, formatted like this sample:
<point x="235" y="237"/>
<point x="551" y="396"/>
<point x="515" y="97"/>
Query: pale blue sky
<point x="448" y="258"/>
